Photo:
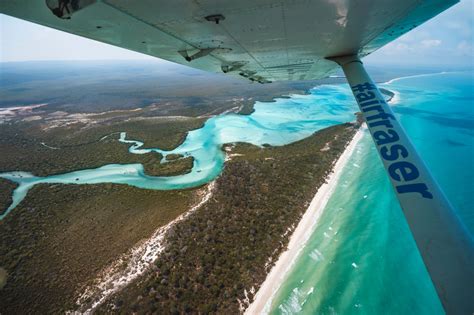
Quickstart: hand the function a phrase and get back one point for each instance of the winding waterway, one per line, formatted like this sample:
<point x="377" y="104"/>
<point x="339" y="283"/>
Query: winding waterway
<point x="277" y="123"/>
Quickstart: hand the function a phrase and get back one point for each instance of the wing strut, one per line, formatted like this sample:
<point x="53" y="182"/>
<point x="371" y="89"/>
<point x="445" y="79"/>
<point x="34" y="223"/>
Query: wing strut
<point x="444" y="243"/>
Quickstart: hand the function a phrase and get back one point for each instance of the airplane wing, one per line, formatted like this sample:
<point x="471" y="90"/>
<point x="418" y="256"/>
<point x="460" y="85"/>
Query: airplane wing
<point x="263" y="40"/>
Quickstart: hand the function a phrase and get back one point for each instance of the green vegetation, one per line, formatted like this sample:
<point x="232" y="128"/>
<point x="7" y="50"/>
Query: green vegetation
<point x="6" y="191"/>
<point x="158" y="132"/>
<point x="72" y="148"/>
<point x="3" y="277"/>
<point x="151" y="162"/>
<point x="223" y="247"/>
<point x="61" y="236"/>
<point x="174" y="156"/>
<point x="247" y="109"/>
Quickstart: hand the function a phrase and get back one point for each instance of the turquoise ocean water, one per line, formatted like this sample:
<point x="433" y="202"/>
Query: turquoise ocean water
<point x="361" y="258"/>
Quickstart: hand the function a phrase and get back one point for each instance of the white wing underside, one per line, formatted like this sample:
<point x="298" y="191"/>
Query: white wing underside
<point x="263" y="39"/>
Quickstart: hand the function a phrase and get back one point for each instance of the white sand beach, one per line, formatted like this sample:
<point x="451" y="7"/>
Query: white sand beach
<point x="264" y="296"/>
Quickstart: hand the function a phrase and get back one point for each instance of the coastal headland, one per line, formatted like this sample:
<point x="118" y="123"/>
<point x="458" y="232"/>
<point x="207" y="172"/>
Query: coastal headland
<point x="61" y="240"/>
<point x="47" y="243"/>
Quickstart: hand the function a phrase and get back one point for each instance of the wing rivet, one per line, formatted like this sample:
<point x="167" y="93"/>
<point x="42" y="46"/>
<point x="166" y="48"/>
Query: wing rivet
<point x="216" y="18"/>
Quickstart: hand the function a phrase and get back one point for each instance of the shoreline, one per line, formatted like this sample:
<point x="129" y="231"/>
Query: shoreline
<point x="265" y="294"/>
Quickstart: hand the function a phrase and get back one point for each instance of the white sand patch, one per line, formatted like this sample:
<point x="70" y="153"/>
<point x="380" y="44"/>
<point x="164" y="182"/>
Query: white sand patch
<point x="326" y="147"/>
<point x="10" y="112"/>
<point x="32" y="118"/>
<point x="416" y="76"/>
<point x="229" y="157"/>
<point x="49" y="147"/>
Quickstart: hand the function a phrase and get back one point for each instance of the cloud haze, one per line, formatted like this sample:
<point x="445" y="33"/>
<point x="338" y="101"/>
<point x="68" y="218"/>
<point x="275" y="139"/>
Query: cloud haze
<point x="446" y="39"/>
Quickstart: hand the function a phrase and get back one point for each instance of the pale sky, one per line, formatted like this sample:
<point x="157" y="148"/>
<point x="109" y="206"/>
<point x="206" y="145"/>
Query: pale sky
<point x="447" y="39"/>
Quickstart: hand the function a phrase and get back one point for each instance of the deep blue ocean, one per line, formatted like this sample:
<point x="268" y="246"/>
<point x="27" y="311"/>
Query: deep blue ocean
<point x="361" y="258"/>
